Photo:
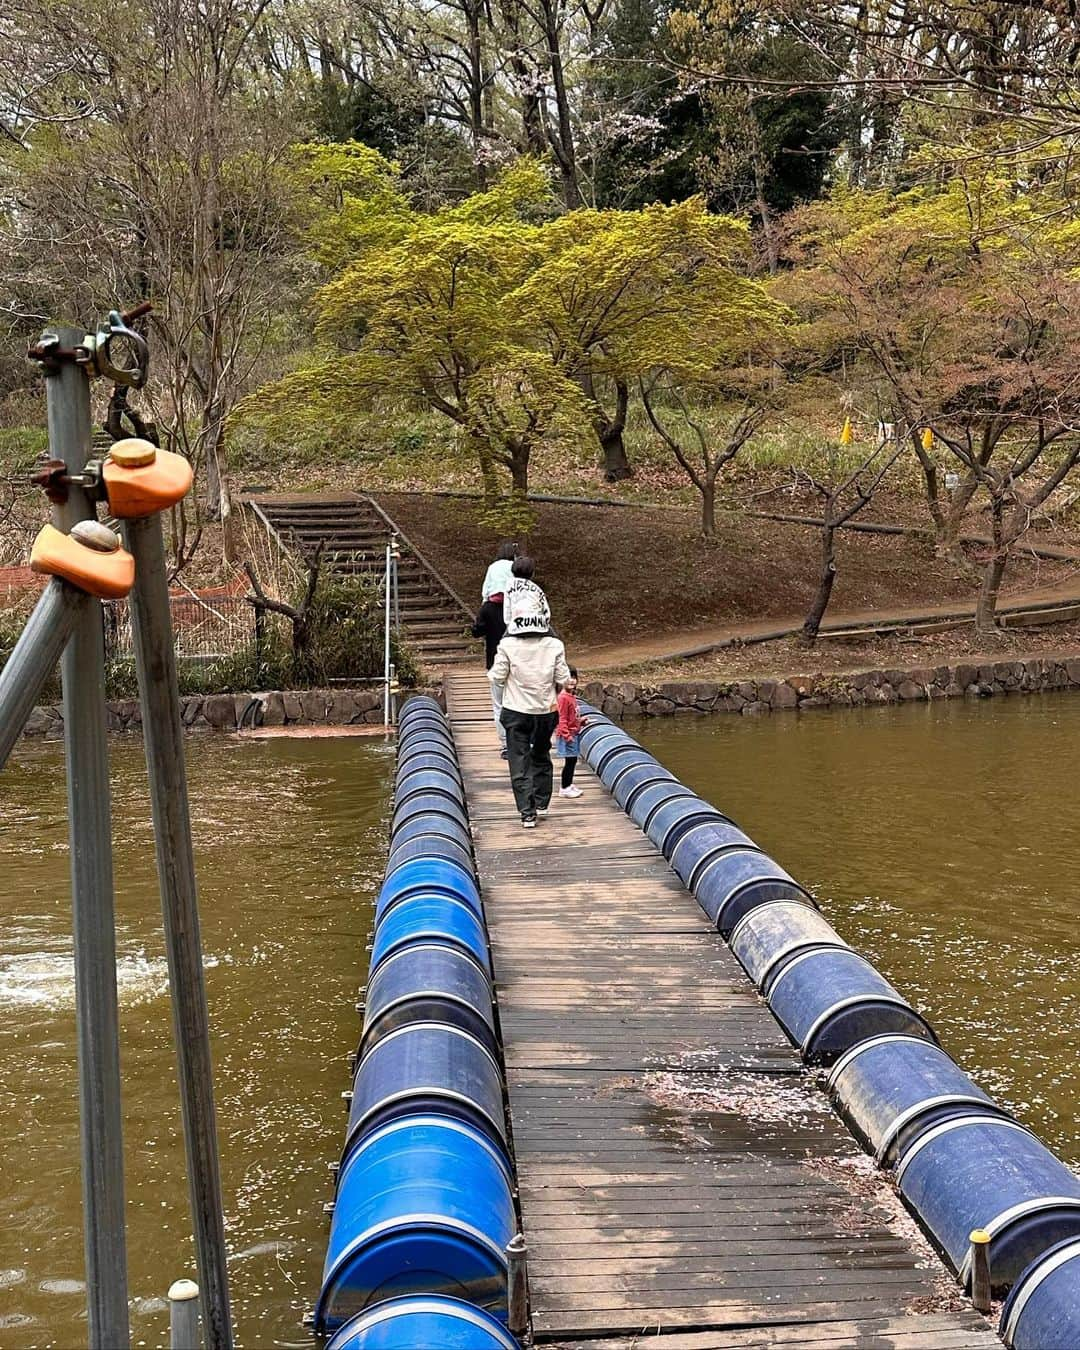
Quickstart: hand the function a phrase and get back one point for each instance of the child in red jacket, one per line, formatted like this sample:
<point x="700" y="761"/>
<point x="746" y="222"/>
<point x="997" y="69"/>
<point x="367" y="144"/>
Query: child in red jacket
<point x="568" y="734"/>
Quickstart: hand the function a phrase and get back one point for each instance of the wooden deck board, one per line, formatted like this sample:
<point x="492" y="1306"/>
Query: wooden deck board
<point x="681" y="1179"/>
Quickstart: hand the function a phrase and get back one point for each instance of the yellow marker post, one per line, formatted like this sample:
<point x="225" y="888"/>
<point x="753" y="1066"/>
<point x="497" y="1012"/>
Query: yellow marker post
<point x="980" y="1269"/>
<point x="928" y="444"/>
<point x="847" y="435"/>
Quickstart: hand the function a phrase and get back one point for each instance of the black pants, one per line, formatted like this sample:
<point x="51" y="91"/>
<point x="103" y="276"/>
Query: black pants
<point x="528" y="747"/>
<point x="489" y="625"/>
<point x="569" y="764"/>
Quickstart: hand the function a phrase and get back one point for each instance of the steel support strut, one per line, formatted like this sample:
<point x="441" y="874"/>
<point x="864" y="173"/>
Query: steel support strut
<point x="34" y="658"/>
<point x="67" y="389"/>
<point x="155" y="661"/>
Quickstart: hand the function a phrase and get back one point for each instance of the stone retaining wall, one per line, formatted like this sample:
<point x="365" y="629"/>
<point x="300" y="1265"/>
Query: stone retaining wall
<point x="753" y="698"/>
<point x="229" y="712"/>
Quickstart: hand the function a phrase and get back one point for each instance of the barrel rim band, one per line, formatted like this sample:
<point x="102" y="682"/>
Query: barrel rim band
<point x="427" y="1303"/>
<point x="431" y="1025"/>
<point x="433" y="946"/>
<point x="957" y="1123"/>
<point x="739" y="848"/>
<point x="626" y="768"/>
<point x="849" y="1056"/>
<point x="684" y="791"/>
<point x="443" y="994"/>
<point x="1001" y="1222"/>
<point x="428" y="1119"/>
<point x="429" y="1090"/>
<point x="406" y="940"/>
<point x="768" y="978"/>
<point x="913" y="1112"/>
<point x="893" y="1000"/>
<point x="803" y="956"/>
<point x="1045" y="1267"/>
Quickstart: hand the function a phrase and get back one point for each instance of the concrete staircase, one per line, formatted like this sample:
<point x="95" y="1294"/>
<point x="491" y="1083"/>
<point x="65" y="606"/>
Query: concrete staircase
<point x="354" y="531"/>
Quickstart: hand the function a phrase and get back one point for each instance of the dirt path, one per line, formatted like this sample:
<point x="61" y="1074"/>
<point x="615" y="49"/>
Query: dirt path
<point x="693" y="642"/>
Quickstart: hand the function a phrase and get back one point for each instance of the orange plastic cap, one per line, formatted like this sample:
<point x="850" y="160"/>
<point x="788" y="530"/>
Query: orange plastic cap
<point x="109" y="576"/>
<point x="141" y="488"/>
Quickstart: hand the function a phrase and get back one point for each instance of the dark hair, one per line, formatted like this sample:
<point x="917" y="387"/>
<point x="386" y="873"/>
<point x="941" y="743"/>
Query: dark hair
<point x="573" y="672"/>
<point x="523" y="566"/>
<point x="506" y="551"/>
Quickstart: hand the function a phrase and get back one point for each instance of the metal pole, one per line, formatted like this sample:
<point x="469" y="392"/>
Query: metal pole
<point x="184" y="1315"/>
<point x="163" y="741"/>
<point x="395" y="556"/>
<point x="386" y="641"/>
<point x="67" y="393"/>
<point x="517" y="1286"/>
<point x="34" y="658"/>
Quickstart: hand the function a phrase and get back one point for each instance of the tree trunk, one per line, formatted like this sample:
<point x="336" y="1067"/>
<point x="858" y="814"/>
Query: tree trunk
<point x="812" y="623"/>
<point x="708" y="508"/>
<point x="563" y="143"/>
<point x="610" y="430"/>
<point x="519" y="468"/>
<point x="986" y="608"/>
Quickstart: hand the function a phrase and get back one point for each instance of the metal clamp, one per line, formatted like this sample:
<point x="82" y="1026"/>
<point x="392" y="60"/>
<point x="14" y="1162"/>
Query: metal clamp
<point x="96" y="352"/>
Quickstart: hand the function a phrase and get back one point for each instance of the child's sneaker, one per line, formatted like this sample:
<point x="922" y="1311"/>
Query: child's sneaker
<point x="528" y="822"/>
<point x="571" y="791"/>
<point x="542" y="810"/>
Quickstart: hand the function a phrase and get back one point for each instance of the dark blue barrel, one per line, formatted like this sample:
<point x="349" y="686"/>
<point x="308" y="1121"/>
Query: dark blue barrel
<point x="770" y="935"/>
<point x="598" y="728"/>
<point x="981" y="1172"/>
<point x="416" y="703"/>
<point x="417" y="1323"/>
<point x="430" y="917"/>
<point x="652" y="797"/>
<point x="433" y="846"/>
<point x="892" y="1089"/>
<point x="428" y="780"/>
<point x="619" y="758"/>
<point x="634" y="777"/>
<point x="423" y="1207"/>
<point x="427" y="1068"/>
<point x="427" y="737"/>
<point x="622" y="765"/>
<point x="701" y="843"/>
<point x="444" y="825"/>
<point x="425" y="717"/>
<point x="675" y="817"/>
<point x="605" y="739"/>
<point x="1042" y="1311"/>
<point x="425" y="758"/>
<point x="734" y="883"/>
<point x="429" y="983"/>
<point x="439" y="802"/>
<point x="421" y="876"/>
<point x="828" y="999"/>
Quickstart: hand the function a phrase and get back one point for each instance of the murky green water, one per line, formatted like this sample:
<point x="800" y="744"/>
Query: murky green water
<point x="290" y="842"/>
<point x="943" y="841"/>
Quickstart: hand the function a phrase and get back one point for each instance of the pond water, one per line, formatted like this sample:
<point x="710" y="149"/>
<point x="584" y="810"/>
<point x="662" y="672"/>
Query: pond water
<point x="290" y="847"/>
<point x="942" y="840"/>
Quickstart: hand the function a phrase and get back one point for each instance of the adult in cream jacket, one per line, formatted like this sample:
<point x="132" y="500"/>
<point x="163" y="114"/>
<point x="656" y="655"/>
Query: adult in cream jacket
<point x="528" y="664"/>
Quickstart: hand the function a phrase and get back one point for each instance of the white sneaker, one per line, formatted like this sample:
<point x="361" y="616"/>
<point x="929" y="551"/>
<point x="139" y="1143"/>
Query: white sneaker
<point x="528" y="822"/>
<point x="571" y="791"/>
<point x="542" y="810"/>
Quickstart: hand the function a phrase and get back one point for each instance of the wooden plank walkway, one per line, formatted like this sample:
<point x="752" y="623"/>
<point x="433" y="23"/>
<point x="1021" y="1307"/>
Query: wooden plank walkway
<point x="679" y="1174"/>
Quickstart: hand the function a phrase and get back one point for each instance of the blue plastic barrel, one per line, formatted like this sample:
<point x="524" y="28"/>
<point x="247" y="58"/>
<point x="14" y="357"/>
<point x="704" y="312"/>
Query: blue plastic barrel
<point x="430" y="917"/>
<point x="701" y="843"/>
<point x="767" y="937"/>
<point x="1042" y="1311"/>
<point x="419" y="1323"/>
<point x="422" y="802"/>
<point x="619" y="757"/>
<point x="427" y="1068"/>
<point x="427" y="733"/>
<point x="430" y="845"/>
<point x="595" y="743"/>
<point x="421" y="876"/>
<point x="428" y="780"/>
<point x="425" y="758"/>
<point x="828" y="999"/>
<point x="598" y="728"/>
<point x="415" y="705"/>
<point x="429" y="824"/>
<point x="892" y="1089"/>
<point x="652" y="797"/>
<point x="429" y="983"/>
<point x="980" y="1172"/>
<point x="423" y="1207"/>
<point x="634" y="777"/>
<point x="675" y="817"/>
<point x="734" y="883"/>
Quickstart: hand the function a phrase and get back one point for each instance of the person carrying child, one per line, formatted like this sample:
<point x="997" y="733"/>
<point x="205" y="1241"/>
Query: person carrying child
<point x="490" y="622"/>
<point x="568" y="733"/>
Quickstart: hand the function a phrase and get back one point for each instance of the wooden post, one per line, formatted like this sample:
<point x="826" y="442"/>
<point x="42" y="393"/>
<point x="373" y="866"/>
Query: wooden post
<point x="517" y="1286"/>
<point x="980" y="1269"/>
